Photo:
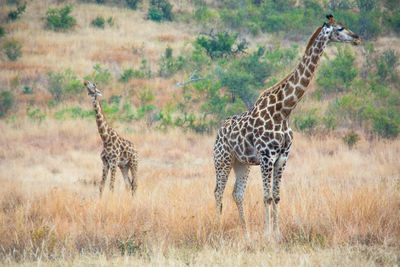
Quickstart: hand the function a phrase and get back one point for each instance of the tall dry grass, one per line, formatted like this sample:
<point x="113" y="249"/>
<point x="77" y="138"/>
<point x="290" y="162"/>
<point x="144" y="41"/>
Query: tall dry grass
<point x="334" y="200"/>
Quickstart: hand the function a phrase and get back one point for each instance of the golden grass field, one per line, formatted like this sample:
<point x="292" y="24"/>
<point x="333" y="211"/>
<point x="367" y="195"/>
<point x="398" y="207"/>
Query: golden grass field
<point x="339" y="206"/>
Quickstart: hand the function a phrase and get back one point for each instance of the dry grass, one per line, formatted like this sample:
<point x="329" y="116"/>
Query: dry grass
<point x="339" y="206"/>
<point x="335" y="203"/>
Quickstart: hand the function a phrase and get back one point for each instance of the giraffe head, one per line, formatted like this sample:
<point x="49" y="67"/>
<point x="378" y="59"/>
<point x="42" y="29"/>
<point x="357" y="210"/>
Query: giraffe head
<point x="337" y="32"/>
<point x="92" y="89"/>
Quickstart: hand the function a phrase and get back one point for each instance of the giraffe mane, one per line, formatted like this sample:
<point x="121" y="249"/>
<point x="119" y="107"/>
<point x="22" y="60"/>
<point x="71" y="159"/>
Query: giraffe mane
<point x="310" y="42"/>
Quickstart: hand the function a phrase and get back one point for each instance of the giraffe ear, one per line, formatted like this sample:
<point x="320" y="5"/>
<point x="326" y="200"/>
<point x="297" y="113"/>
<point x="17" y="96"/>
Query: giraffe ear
<point x="330" y="18"/>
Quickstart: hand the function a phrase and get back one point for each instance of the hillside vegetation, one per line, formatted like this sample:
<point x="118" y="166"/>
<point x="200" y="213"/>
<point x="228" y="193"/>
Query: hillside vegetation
<point x="170" y="72"/>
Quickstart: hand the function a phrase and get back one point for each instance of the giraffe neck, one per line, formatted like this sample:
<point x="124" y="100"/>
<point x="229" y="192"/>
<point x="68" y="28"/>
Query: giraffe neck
<point x="286" y="94"/>
<point x="101" y="121"/>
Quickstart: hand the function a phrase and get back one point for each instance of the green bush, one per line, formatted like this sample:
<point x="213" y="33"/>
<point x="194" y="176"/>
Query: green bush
<point x="99" y="22"/>
<point x="74" y="113"/>
<point x="143" y="72"/>
<point x="221" y="44"/>
<point x="64" y="84"/>
<point x="13" y="49"/>
<point x="60" y="19"/>
<point x="110" y="21"/>
<point x="15" y="14"/>
<point x="351" y="139"/>
<point x="101" y="76"/>
<point x="245" y="76"/>
<point x="6" y="102"/>
<point x="338" y="74"/>
<point x="160" y="10"/>
<point x="2" y="31"/>
<point x="205" y="15"/>
<point x="386" y="66"/>
<point x="386" y="123"/>
<point x="27" y="90"/>
<point x="35" y="114"/>
<point x="307" y="123"/>
<point x="170" y="65"/>
<point x="132" y="4"/>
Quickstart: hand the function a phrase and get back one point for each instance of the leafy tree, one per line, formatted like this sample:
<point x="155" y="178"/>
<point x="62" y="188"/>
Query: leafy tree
<point x="221" y="44"/>
<point x="245" y="76"/>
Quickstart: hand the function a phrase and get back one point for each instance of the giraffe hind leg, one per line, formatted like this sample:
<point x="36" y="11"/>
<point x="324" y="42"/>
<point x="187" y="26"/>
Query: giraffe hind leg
<point x="242" y="173"/>
<point x="125" y="174"/>
<point x="223" y="166"/>
<point x="133" y="169"/>
<point x="103" y="178"/>
<point x="113" y="169"/>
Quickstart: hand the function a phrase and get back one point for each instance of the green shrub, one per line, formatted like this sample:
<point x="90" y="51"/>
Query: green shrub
<point x="221" y="44"/>
<point x="132" y="4"/>
<point x="337" y="75"/>
<point x="15" y="14"/>
<point x="307" y="123"/>
<point x="60" y="19"/>
<point x="170" y="65"/>
<point x="110" y="21"/>
<point x="128" y="74"/>
<point x="386" y="123"/>
<point x="245" y="76"/>
<point x="387" y="64"/>
<point x="394" y="22"/>
<point x="2" y="31"/>
<point x="351" y="139"/>
<point x="205" y="15"/>
<point x="65" y="84"/>
<point x="101" y="76"/>
<point x="13" y="48"/>
<point x="35" y="114"/>
<point x="74" y="113"/>
<point x="27" y="90"/>
<point x="154" y="14"/>
<point x="98" y="22"/>
<point x="6" y="102"/>
<point x="160" y="10"/>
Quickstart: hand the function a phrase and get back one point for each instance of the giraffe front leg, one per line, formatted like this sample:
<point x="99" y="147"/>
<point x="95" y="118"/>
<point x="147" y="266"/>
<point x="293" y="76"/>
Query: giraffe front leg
<point x="266" y="164"/>
<point x="279" y="166"/>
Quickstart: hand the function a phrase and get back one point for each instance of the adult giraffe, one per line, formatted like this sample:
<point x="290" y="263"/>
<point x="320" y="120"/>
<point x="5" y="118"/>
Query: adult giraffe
<point x="262" y="136"/>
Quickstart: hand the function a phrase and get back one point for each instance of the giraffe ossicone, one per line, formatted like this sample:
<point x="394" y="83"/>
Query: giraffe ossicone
<point x="117" y="151"/>
<point x="262" y="136"/>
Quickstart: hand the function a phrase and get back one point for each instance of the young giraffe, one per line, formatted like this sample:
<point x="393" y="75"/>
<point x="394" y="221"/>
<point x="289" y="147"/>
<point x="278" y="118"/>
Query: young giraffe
<point x="262" y="136"/>
<point x="117" y="151"/>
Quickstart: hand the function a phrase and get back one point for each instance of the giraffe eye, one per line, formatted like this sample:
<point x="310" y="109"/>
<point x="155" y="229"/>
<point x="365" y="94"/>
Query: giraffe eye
<point x="341" y="29"/>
